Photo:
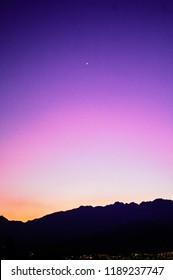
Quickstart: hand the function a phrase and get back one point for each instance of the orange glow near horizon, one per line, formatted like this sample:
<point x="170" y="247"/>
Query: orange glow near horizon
<point x="25" y="210"/>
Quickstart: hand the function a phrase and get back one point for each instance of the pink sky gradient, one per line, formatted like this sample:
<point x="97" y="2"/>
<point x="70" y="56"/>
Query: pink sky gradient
<point x="63" y="160"/>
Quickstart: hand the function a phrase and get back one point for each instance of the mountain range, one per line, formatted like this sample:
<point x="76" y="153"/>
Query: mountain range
<point x="111" y="229"/>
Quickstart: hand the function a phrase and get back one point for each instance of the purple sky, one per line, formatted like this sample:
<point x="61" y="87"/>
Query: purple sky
<point x="86" y="104"/>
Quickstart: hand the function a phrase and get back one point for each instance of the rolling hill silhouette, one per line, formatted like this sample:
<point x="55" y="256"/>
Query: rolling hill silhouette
<point x="112" y="229"/>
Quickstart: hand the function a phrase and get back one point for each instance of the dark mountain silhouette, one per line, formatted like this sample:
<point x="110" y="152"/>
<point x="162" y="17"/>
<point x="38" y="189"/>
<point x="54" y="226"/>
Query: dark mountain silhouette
<point x="112" y="229"/>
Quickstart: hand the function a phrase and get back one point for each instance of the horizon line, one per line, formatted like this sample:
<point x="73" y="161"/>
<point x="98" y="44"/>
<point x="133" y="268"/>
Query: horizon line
<point x="125" y="203"/>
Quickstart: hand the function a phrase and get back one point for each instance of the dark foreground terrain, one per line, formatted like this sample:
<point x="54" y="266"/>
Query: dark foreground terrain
<point x="118" y="231"/>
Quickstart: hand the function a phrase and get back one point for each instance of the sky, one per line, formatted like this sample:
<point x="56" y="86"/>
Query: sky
<point x="86" y="104"/>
